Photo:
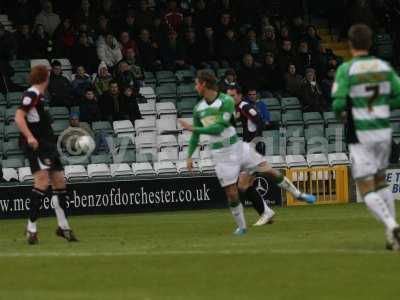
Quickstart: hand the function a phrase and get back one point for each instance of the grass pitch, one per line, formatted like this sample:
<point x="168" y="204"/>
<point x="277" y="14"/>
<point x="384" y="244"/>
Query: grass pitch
<point x="314" y="252"/>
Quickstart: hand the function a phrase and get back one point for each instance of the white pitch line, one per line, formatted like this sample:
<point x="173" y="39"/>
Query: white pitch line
<point x="190" y="252"/>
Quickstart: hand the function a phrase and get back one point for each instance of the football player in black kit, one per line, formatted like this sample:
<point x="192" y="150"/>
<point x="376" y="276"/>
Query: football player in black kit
<point x="39" y="146"/>
<point x="252" y="128"/>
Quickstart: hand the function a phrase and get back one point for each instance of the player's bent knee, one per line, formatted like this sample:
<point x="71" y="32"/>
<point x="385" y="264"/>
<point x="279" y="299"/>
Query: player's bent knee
<point x="41" y="180"/>
<point x="366" y="185"/>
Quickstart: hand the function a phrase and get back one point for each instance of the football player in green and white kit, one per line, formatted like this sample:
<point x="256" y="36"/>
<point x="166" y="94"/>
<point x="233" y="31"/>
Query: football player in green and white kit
<point x="212" y="116"/>
<point x="365" y="90"/>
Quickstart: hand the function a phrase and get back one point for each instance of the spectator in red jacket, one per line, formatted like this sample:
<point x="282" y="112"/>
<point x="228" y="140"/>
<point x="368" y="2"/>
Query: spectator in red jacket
<point x="173" y="17"/>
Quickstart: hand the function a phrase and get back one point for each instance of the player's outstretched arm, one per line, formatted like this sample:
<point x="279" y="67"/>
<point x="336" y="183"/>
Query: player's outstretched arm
<point x="395" y="95"/>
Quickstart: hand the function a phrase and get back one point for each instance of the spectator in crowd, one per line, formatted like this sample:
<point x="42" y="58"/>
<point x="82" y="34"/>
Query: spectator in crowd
<point x="130" y="59"/>
<point x="21" y="12"/>
<point x="8" y="45"/>
<point x="124" y="76"/>
<point x="252" y="45"/>
<point x="230" y="49"/>
<point x="89" y="107"/>
<point x="173" y="17"/>
<point x="24" y="41"/>
<point x="113" y="105"/>
<point x="298" y="28"/>
<point x="273" y="81"/>
<point x="103" y="79"/>
<point x="172" y="53"/>
<point x="85" y="14"/>
<point x="268" y="41"/>
<point x="293" y="82"/>
<point x="41" y="43"/>
<point x="60" y="89"/>
<point x="209" y="48"/>
<point x="286" y="56"/>
<point x="48" y="18"/>
<point x="304" y="58"/>
<point x="109" y="51"/>
<point x="158" y="30"/>
<point x="249" y="75"/>
<point x="192" y="49"/>
<point x="262" y="108"/>
<point x="326" y="85"/>
<point x="225" y="23"/>
<point x="144" y="16"/>
<point x="84" y="54"/>
<point x="76" y="129"/>
<point x="229" y="81"/>
<point x="148" y="51"/>
<point x="129" y="25"/>
<point x="312" y="39"/>
<point x="312" y="98"/>
<point x="64" y="37"/>
<point x="130" y="97"/>
<point x="126" y="42"/>
<point x="201" y="16"/>
<point x="187" y="24"/>
<point x="285" y="34"/>
<point x="81" y="82"/>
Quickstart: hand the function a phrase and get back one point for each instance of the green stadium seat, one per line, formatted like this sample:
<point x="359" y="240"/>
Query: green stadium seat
<point x="144" y="157"/>
<point x="12" y="147"/>
<point x="14" y="98"/>
<point x="75" y="160"/>
<point x="11" y="131"/>
<point x="275" y="116"/>
<point x="129" y="156"/>
<point x="186" y="90"/>
<point x="167" y="90"/>
<point x="395" y="115"/>
<point x="337" y="147"/>
<point x="330" y="118"/>
<point x="317" y="145"/>
<point x="59" y="126"/>
<point x="149" y="78"/>
<point x="185" y="76"/>
<point x="272" y="142"/>
<point x="272" y="103"/>
<point x="2" y="113"/>
<point x="396" y="129"/>
<point x="102" y="126"/>
<point x="312" y="118"/>
<point x="186" y="105"/>
<point x="290" y="103"/>
<point x="1" y="131"/>
<point x="172" y="100"/>
<point x="2" y="100"/>
<point x="335" y="132"/>
<point x="20" y="79"/>
<point x="294" y="131"/>
<point x="314" y="132"/>
<point x="292" y="117"/>
<point x="15" y="163"/>
<point x="10" y="114"/>
<point x="20" y="65"/>
<point x="59" y="113"/>
<point x="296" y="149"/>
<point x="165" y="77"/>
<point x="101" y="159"/>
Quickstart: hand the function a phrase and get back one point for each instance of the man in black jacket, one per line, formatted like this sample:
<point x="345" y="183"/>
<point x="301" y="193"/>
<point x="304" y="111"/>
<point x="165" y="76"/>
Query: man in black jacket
<point x="112" y="104"/>
<point x="60" y="89"/>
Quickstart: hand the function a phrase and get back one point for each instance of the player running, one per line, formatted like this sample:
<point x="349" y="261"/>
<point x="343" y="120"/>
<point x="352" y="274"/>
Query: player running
<point x="252" y="129"/>
<point x="364" y="91"/>
<point x="38" y="144"/>
<point x="212" y="116"/>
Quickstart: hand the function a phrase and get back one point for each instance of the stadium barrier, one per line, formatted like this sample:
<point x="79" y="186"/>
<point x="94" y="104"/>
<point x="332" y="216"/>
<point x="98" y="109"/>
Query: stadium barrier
<point x="132" y="196"/>
<point x="329" y="184"/>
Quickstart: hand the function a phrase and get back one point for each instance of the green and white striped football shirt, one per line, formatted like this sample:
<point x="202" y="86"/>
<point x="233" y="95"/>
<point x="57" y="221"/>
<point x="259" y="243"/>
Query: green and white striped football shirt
<point x="372" y="87"/>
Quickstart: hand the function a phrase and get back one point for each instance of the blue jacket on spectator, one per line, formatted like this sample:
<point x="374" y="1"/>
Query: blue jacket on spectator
<point x="263" y="110"/>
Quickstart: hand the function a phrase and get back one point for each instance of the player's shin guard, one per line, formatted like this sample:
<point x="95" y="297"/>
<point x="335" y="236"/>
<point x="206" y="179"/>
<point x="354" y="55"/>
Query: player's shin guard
<point x="379" y="208"/>
<point x="287" y="185"/>
<point x="238" y="213"/>
<point x="255" y="198"/>
<point x="60" y="199"/>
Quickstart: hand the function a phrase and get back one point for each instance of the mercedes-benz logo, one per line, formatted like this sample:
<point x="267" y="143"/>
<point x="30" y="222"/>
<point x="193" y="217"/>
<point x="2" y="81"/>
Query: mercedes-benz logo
<point x="262" y="186"/>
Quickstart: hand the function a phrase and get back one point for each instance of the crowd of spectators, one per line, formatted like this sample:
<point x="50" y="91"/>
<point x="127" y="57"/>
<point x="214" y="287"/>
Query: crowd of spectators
<point x="119" y="40"/>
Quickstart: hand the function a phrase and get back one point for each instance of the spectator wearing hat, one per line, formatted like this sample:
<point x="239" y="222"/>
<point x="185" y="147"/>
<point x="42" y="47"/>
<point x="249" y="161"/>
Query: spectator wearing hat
<point x="102" y="80"/>
<point x="229" y="81"/>
<point x="312" y="98"/>
<point x="269" y="41"/>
